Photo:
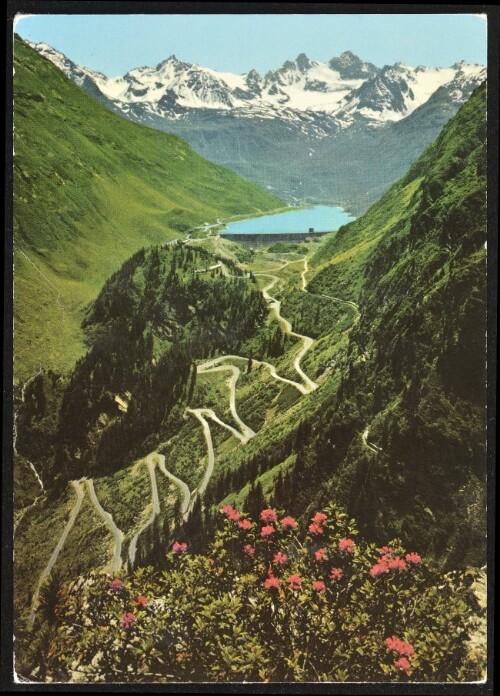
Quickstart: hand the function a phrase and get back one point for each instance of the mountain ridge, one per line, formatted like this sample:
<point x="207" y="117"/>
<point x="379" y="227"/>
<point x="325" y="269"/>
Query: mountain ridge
<point x="296" y="85"/>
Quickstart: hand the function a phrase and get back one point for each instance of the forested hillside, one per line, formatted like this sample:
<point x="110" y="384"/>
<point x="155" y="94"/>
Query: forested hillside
<point x="153" y="318"/>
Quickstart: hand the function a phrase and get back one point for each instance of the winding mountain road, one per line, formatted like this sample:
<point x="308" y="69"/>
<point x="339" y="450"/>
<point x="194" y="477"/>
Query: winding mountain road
<point x="211" y="366"/>
<point x="201" y="414"/>
<point x="339" y="299"/>
<point x="185" y="492"/>
<point x="272" y="370"/>
<point x="80" y="492"/>
<point x="307" y="342"/>
<point x="370" y="445"/>
<point x="303" y="275"/>
<point x="244" y="434"/>
<point x="208" y="413"/>
<point x="200" y="490"/>
<point x="153" y="460"/>
<point x="328" y="297"/>
<point x="117" y="533"/>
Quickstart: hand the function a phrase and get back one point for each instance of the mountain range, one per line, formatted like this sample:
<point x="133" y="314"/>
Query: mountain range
<point x="309" y="130"/>
<point x="345" y="90"/>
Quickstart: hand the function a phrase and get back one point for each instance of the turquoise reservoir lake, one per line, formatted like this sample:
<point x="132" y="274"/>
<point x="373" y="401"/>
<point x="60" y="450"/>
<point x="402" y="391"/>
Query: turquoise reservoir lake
<point x="324" y="218"/>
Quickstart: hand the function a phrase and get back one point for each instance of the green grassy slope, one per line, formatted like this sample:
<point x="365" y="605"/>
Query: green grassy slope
<point x="339" y="262"/>
<point x="90" y="188"/>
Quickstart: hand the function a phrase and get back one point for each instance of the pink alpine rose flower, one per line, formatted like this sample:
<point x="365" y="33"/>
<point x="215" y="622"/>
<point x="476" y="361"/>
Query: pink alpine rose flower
<point x="245" y="525"/>
<point x="392" y="643"/>
<point x="116" y="585"/>
<point x="249" y="550"/>
<point x="141" y="601"/>
<point x="320" y="518"/>
<point x="266" y="531"/>
<point x="397" y="564"/>
<point x="336" y="573"/>
<point x="319" y="586"/>
<point x="272" y="583"/>
<point x="268" y="516"/>
<point x="347" y="545"/>
<point x="402" y="664"/>
<point x="179" y="547"/>
<point x="127" y="619"/>
<point x="295" y="581"/>
<point x="280" y="558"/>
<point x="378" y="569"/>
<point x="320" y="555"/>
<point x="315" y="528"/>
<point x="289" y="523"/>
<point x="400" y="646"/>
<point x="414" y="558"/>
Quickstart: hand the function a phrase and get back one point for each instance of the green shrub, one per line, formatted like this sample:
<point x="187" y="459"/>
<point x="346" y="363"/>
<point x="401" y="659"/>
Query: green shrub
<point x="269" y="603"/>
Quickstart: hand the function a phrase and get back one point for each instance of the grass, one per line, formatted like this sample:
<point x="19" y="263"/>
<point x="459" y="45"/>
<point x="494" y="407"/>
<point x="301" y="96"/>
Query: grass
<point x="337" y="266"/>
<point x="90" y="188"/>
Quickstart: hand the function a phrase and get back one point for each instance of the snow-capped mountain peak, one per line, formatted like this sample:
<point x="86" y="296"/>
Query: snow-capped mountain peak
<point x="397" y="90"/>
<point x="350" y="67"/>
<point x="340" y="93"/>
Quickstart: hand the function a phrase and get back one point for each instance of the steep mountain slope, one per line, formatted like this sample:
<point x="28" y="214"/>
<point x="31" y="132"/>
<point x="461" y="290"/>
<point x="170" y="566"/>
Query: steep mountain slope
<point x="90" y="189"/>
<point x="319" y="132"/>
<point x="416" y="265"/>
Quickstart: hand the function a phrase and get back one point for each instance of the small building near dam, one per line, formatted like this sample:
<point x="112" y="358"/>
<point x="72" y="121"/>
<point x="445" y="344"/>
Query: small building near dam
<point x="257" y="240"/>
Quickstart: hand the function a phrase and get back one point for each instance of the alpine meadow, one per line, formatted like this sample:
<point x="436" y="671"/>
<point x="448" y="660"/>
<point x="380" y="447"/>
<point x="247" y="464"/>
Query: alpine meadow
<point x="249" y="457"/>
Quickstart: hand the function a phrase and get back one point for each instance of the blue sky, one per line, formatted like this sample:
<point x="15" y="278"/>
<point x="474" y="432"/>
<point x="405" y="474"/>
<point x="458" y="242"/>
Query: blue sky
<point x="114" y="44"/>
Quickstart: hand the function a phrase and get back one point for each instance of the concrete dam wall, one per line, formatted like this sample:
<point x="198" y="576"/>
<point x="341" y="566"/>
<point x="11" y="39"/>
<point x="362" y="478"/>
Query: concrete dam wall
<point x="257" y="239"/>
